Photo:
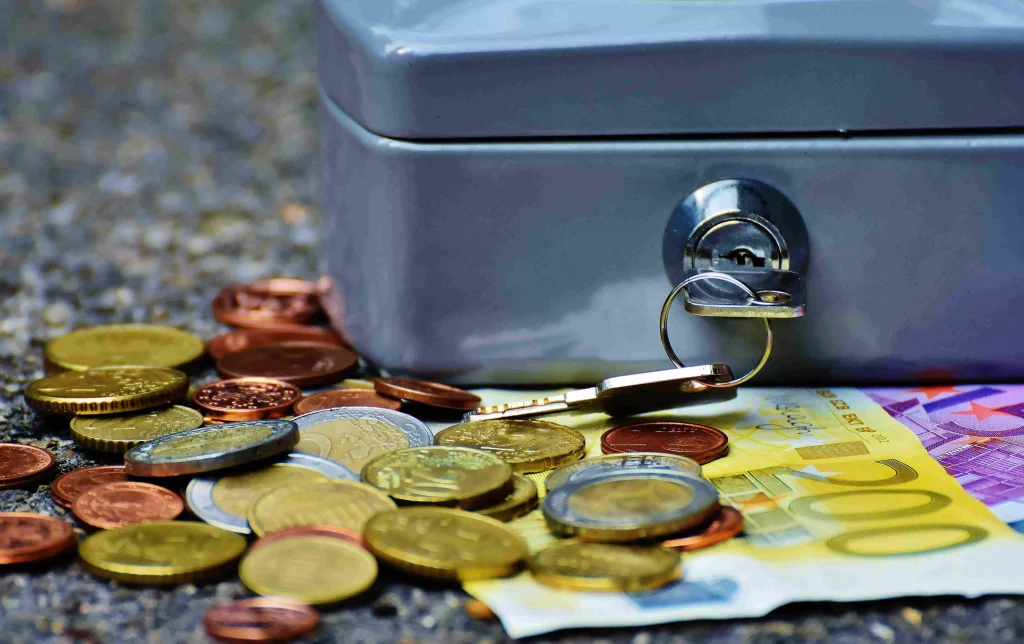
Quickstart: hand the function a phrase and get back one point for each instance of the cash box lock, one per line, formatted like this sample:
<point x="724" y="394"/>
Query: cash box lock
<point x="745" y="229"/>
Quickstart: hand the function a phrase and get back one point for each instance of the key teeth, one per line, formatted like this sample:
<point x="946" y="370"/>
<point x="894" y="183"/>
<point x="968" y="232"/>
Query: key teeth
<point x="498" y="409"/>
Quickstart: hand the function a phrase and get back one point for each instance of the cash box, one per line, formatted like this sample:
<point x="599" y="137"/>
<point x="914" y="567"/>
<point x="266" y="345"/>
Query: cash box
<point x="513" y="187"/>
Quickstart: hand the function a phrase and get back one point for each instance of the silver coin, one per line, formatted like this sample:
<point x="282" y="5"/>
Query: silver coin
<point x="646" y="462"/>
<point x="621" y="519"/>
<point x="226" y="507"/>
<point x="212" y="447"/>
<point x="353" y="436"/>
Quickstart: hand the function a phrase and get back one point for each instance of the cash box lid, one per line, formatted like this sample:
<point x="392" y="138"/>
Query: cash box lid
<point x="459" y="69"/>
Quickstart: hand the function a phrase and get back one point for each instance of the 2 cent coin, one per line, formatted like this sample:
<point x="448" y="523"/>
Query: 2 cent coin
<point x="303" y="364"/>
<point x="68" y="487"/>
<point x="246" y="398"/>
<point x="260" y="619"/>
<point x="699" y="442"/>
<point x="346" y="398"/>
<point x="113" y="505"/>
<point x="27" y="537"/>
<point x="434" y="394"/>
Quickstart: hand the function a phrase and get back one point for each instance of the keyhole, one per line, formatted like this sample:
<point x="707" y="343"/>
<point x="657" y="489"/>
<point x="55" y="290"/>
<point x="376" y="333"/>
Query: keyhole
<point x="744" y="257"/>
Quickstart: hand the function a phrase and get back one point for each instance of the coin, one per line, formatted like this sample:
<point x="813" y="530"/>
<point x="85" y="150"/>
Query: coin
<point x="460" y="476"/>
<point x="434" y="394"/>
<point x="444" y="544"/>
<point x="164" y="552"/>
<point x="634" y="461"/>
<point x="23" y="464"/>
<point x="260" y="619"/>
<point x="119" y="433"/>
<point x="246" y="398"/>
<point x="106" y="390"/>
<point x="280" y="304"/>
<point x="67" y="487"/>
<point x="341" y="504"/>
<point x="522" y="500"/>
<point x="27" y="537"/>
<point x="223" y="501"/>
<point x="303" y="364"/>
<point x="311" y="569"/>
<point x="345" y="398"/>
<point x="235" y="341"/>
<point x="113" y="505"/>
<point x="345" y="534"/>
<point x="526" y="445"/>
<point x="699" y="442"/>
<point x="123" y="345"/>
<point x="601" y="567"/>
<point x="629" y="506"/>
<point x="353" y="436"/>
<point x="212" y="448"/>
<point x="724" y="526"/>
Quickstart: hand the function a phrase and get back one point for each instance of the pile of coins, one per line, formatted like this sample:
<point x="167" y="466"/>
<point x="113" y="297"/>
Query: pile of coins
<point x="331" y="483"/>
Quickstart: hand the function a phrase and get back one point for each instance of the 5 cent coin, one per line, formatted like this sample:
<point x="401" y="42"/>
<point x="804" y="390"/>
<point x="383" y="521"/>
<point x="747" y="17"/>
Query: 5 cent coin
<point x="113" y="505"/>
<point x="303" y="364"/>
<point x="26" y="537"/>
<point x="526" y="445"/>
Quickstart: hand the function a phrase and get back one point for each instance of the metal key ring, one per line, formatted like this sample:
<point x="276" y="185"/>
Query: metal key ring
<point x="667" y="344"/>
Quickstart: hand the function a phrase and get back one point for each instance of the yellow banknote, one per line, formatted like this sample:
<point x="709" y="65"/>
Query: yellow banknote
<point x="840" y="502"/>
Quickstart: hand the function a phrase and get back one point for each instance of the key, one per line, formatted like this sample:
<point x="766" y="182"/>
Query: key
<point x="635" y="393"/>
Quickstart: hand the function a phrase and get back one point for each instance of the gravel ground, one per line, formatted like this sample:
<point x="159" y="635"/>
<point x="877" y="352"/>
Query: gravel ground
<point x="151" y="151"/>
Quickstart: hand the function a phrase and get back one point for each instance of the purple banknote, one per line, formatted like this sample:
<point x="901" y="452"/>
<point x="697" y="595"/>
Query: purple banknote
<point x="975" y="431"/>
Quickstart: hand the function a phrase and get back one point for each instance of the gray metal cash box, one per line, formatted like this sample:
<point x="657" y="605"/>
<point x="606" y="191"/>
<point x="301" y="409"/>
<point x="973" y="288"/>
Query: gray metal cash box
<point x="512" y="187"/>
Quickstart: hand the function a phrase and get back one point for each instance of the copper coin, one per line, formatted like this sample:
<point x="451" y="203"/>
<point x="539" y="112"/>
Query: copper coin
<point x="279" y="303"/>
<point x="434" y="394"/>
<point x="113" y="505"/>
<point x="246" y="398"/>
<point x="23" y="464"/>
<point x="68" y="487"/>
<point x="345" y="398"/>
<point x="311" y="531"/>
<point x="235" y="341"/>
<point x="261" y="619"/>
<point x="303" y="364"/>
<point x="699" y="442"/>
<point x="727" y="524"/>
<point x="26" y="537"/>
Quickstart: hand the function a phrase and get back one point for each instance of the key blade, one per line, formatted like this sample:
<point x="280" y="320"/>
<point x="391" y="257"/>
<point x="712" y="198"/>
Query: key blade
<point x="549" y="405"/>
<point x="657" y="390"/>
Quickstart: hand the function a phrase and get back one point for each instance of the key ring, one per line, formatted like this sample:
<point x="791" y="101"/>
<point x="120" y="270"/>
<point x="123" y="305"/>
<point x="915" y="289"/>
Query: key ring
<point x="668" y="344"/>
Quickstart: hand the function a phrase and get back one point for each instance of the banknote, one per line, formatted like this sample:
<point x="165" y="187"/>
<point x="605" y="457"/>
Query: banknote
<point x="841" y="502"/>
<point x="976" y="432"/>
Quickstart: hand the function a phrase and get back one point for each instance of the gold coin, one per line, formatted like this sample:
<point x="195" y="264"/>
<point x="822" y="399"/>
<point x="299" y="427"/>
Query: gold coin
<point x="460" y="476"/>
<point x="120" y="345"/>
<point x="106" y="390"/>
<point x="310" y="569"/>
<point x="353" y="442"/>
<point x="601" y="567"/>
<point x="329" y="502"/>
<point x="527" y="445"/>
<point x="163" y="552"/>
<point x="522" y="500"/>
<point x="120" y="433"/>
<point x="445" y="544"/>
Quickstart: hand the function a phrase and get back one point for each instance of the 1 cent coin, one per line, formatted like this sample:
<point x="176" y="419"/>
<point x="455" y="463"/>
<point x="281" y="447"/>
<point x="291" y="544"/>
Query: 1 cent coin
<point x="724" y="526"/>
<point x="239" y="339"/>
<point x="280" y="304"/>
<point x="303" y="364"/>
<point x="26" y="537"/>
<point x="23" y="464"/>
<point x="246" y="398"/>
<point x="434" y="394"/>
<point x="113" y="505"/>
<point x="699" y="442"/>
<point x="345" y="398"/>
<point x="68" y="487"/>
<point x="260" y="619"/>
